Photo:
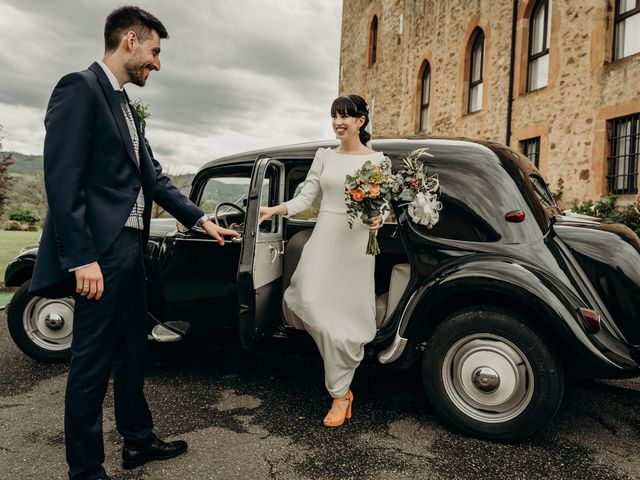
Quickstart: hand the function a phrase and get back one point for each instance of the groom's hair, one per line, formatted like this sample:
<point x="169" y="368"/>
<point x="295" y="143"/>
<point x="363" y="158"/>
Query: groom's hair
<point x="123" y="19"/>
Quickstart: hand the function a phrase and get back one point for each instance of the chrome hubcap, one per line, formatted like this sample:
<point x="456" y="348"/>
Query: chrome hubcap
<point x="49" y="322"/>
<point x="54" y="321"/>
<point x="488" y="378"/>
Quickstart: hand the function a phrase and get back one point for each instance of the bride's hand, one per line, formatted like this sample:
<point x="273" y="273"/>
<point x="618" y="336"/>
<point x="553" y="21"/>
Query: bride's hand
<point x="266" y="213"/>
<point x="375" y="223"/>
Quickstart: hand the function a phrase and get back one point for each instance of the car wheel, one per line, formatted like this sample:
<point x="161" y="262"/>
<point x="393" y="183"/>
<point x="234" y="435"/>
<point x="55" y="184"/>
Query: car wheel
<point x="41" y="327"/>
<point x="490" y="375"/>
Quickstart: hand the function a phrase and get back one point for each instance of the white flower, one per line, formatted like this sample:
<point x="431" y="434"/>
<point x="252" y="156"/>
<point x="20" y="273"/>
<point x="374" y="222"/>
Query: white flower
<point x="425" y="209"/>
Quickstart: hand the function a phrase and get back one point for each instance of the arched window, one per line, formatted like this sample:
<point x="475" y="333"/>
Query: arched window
<point x="475" y="71"/>
<point x="627" y="28"/>
<point x="425" y="86"/>
<point x="539" y="39"/>
<point x="373" y="41"/>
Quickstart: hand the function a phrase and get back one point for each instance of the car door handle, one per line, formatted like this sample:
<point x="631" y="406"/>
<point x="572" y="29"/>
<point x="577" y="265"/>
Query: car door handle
<point x="275" y="253"/>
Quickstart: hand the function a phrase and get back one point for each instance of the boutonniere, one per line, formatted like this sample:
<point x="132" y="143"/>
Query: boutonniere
<point x="141" y="110"/>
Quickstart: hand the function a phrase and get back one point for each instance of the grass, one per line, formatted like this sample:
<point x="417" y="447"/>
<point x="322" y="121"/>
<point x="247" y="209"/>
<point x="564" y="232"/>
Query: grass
<point x="4" y="298"/>
<point x="10" y="244"/>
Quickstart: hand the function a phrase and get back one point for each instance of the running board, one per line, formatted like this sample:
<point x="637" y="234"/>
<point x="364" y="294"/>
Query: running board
<point x="170" y="331"/>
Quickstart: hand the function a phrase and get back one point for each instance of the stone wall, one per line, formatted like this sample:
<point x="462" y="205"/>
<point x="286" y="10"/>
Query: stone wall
<point x="570" y="114"/>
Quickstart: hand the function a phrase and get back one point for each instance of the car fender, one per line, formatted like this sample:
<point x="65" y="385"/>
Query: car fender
<point x="20" y="269"/>
<point x="525" y="288"/>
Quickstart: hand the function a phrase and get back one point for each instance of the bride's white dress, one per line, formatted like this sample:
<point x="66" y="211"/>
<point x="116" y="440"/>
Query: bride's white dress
<point x="332" y="288"/>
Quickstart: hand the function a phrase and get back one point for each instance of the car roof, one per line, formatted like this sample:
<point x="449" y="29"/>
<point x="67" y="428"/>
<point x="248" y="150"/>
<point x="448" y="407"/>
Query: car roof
<point x="391" y="146"/>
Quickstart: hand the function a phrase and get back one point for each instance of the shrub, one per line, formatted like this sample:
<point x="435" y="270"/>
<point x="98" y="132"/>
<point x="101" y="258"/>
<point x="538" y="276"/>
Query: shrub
<point x="24" y="215"/>
<point x="606" y="209"/>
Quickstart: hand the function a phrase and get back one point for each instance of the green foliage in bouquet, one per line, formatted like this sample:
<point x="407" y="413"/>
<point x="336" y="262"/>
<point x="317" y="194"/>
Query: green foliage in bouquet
<point x="419" y="190"/>
<point x="368" y="193"/>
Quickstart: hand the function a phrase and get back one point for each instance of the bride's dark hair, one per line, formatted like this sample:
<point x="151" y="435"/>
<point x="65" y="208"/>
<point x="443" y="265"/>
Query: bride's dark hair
<point x="354" y="106"/>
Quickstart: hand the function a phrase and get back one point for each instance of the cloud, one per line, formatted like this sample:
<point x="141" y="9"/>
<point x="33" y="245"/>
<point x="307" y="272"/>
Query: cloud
<point x="235" y="75"/>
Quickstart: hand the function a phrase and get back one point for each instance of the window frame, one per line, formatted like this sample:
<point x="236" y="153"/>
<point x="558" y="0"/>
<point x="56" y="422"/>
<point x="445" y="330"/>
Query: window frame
<point x="630" y="176"/>
<point x="373" y="40"/>
<point x="426" y="74"/>
<point x="619" y="18"/>
<point x="531" y="57"/>
<point x="478" y="37"/>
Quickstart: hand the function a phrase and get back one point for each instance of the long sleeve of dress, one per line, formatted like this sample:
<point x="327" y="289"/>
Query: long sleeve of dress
<point x="311" y="188"/>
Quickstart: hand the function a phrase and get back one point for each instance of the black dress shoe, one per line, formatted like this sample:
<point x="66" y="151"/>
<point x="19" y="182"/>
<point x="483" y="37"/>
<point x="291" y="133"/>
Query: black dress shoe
<point x="158" y="450"/>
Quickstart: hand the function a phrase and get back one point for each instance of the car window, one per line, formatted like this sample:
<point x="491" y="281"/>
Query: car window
<point x="459" y="222"/>
<point x="228" y="189"/>
<point x="542" y="191"/>
<point x="311" y="213"/>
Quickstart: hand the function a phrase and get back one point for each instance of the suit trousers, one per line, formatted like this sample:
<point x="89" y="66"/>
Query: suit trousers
<point x="109" y="336"/>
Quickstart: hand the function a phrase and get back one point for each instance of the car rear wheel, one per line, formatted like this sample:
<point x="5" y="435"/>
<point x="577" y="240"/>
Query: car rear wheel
<point x="41" y="327"/>
<point x="490" y="375"/>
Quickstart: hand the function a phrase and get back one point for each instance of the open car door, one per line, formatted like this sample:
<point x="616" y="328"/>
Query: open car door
<point x="260" y="269"/>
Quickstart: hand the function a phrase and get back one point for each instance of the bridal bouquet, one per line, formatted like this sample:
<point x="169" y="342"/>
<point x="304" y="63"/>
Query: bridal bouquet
<point x="419" y="190"/>
<point x="368" y="193"/>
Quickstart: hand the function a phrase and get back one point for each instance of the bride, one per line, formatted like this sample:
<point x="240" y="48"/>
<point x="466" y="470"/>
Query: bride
<point x="332" y="289"/>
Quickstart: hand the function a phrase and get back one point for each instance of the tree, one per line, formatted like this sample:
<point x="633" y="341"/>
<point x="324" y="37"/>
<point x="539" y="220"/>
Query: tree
<point x="27" y="191"/>
<point x="5" y="180"/>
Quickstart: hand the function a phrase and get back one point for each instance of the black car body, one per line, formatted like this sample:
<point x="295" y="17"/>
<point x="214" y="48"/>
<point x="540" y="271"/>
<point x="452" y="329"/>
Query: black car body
<point x="498" y="300"/>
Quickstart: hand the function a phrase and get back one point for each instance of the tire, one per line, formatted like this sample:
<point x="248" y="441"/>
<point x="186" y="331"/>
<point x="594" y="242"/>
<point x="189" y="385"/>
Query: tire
<point x="490" y="375"/>
<point x="41" y="327"/>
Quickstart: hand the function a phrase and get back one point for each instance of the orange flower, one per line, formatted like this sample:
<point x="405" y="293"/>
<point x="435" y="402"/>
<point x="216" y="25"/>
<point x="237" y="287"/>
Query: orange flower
<point x="374" y="190"/>
<point x="358" y="195"/>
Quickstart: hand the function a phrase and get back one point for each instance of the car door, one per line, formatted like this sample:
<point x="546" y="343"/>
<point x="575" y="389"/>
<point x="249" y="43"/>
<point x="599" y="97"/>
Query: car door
<point x="260" y="270"/>
<point x="197" y="276"/>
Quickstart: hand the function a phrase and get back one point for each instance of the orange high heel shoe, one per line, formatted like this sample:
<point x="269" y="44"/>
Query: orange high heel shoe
<point x="336" y="416"/>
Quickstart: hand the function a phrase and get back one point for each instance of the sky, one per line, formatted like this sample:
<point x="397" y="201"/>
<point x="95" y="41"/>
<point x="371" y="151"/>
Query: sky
<point x="235" y="74"/>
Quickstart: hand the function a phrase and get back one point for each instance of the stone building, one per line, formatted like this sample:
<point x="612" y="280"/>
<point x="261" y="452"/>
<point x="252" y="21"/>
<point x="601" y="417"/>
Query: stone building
<point x="558" y="80"/>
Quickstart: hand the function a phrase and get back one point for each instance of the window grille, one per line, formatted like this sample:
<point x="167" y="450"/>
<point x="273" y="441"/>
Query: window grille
<point x="531" y="149"/>
<point x="624" y="146"/>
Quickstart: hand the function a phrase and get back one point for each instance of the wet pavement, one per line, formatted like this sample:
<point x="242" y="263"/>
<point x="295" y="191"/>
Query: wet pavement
<point x="258" y="416"/>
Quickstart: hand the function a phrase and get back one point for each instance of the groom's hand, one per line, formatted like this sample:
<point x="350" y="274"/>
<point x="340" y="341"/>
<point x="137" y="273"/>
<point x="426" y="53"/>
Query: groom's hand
<point x="89" y="281"/>
<point x="218" y="233"/>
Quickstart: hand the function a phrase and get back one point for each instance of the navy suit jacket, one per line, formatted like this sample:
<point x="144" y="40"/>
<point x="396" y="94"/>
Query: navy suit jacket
<point x="92" y="179"/>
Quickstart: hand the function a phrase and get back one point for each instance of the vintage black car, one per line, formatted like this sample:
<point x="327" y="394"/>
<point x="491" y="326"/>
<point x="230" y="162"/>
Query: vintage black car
<point x="498" y="302"/>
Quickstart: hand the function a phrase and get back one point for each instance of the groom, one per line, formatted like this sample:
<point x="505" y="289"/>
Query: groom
<point x="101" y="180"/>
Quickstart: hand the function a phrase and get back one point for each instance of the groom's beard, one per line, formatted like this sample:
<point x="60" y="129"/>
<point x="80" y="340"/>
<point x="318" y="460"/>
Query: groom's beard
<point x="135" y="69"/>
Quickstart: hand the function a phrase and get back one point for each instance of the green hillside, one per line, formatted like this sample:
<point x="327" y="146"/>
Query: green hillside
<point x="27" y="187"/>
<point x="24" y="164"/>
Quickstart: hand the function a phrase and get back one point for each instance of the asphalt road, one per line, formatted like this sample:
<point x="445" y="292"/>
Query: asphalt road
<point x="257" y="416"/>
